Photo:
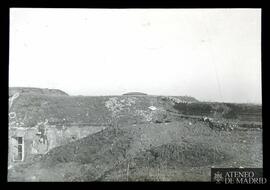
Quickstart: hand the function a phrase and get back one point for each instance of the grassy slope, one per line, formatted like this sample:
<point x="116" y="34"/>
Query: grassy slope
<point x="44" y="91"/>
<point x="172" y="151"/>
<point x="32" y="108"/>
<point x="242" y="112"/>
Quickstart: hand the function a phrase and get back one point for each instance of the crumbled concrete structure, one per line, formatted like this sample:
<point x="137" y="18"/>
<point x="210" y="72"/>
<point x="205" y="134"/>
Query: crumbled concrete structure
<point x="40" y="139"/>
<point x="26" y="142"/>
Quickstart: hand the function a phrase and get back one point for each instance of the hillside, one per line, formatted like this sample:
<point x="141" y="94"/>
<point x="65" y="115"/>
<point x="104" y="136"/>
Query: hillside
<point x="154" y="138"/>
<point x="39" y="91"/>
<point x="31" y="108"/>
<point x="242" y="112"/>
<point x="174" y="151"/>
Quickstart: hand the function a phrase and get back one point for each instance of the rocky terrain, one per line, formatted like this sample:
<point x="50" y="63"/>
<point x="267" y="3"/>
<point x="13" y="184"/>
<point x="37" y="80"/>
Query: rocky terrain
<point x="149" y="138"/>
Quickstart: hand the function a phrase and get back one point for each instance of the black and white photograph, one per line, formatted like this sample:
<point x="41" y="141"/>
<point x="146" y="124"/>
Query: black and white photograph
<point x="100" y="94"/>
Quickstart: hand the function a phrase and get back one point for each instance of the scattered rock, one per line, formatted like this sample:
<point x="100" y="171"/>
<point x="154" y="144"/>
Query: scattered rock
<point x="152" y="108"/>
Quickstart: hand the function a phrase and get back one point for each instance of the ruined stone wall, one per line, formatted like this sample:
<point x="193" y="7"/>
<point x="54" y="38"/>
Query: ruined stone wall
<point x="39" y="140"/>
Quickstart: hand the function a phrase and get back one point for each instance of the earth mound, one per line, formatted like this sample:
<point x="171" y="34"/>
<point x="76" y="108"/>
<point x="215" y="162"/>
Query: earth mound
<point x="101" y="155"/>
<point x="135" y="94"/>
<point x="41" y="91"/>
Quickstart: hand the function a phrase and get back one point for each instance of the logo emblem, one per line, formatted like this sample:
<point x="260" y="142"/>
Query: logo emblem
<point x="218" y="177"/>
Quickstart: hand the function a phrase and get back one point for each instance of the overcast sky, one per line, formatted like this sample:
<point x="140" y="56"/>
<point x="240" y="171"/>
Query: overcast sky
<point x="210" y="54"/>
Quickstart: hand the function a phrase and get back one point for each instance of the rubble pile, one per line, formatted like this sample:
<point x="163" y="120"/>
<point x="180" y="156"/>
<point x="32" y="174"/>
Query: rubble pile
<point x="126" y="107"/>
